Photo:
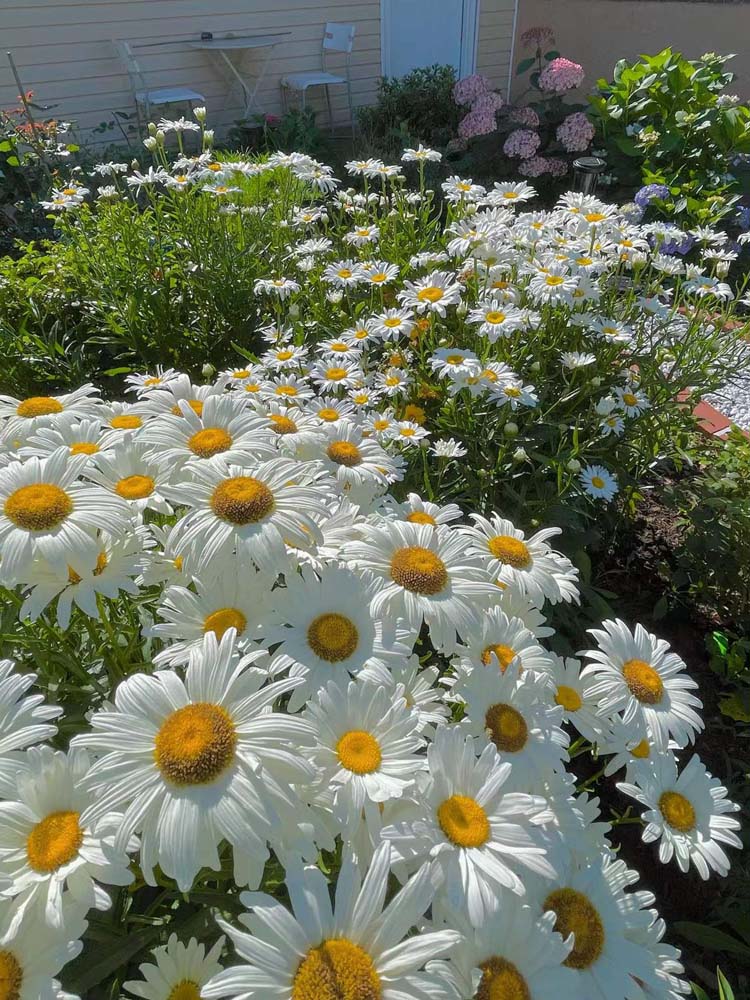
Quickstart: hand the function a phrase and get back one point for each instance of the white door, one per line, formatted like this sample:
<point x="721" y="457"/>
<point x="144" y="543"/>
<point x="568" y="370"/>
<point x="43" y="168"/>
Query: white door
<point x="417" y="33"/>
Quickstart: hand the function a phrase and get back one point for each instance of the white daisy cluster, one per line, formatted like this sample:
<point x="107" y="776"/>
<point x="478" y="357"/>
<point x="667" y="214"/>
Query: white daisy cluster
<point x="324" y="672"/>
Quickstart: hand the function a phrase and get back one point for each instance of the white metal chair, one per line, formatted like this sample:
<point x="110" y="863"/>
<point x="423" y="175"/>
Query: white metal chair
<point x="144" y="97"/>
<point x="336" y="38"/>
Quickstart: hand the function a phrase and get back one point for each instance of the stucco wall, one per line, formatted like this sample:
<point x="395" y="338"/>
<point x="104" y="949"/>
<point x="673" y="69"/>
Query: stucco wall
<point x="596" y="33"/>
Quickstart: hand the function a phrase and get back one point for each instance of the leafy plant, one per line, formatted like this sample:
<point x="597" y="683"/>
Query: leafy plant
<point x="667" y="120"/>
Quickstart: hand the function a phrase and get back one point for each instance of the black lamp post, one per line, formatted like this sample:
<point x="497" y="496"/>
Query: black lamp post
<point x="586" y="171"/>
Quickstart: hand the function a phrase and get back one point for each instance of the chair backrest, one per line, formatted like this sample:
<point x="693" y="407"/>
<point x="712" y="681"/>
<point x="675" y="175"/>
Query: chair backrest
<point x="338" y="37"/>
<point x="131" y="64"/>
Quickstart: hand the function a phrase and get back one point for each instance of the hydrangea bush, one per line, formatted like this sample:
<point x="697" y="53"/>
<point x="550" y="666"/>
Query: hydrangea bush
<point x="291" y="723"/>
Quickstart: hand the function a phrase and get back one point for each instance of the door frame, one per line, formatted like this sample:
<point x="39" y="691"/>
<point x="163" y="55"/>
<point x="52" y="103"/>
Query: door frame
<point x="469" y="37"/>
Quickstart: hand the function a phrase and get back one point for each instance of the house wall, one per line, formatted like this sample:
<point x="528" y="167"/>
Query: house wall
<point x="596" y="33"/>
<point x="494" y="40"/>
<point x="64" y="54"/>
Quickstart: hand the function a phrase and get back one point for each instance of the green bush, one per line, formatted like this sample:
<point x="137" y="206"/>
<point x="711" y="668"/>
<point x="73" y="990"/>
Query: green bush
<point x="666" y="120"/>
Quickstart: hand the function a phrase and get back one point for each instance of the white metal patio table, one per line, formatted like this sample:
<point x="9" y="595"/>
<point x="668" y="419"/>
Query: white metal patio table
<point x="230" y="52"/>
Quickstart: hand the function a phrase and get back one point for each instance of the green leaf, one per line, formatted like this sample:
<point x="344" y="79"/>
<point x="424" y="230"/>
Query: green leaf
<point x="13" y="161"/>
<point x="5" y="146"/>
<point x="711" y="938"/>
<point x="736" y="706"/>
<point x="725" y="990"/>
<point x="699" y="992"/>
<point x="525" y="65"/>
<point x="552" y="54"/>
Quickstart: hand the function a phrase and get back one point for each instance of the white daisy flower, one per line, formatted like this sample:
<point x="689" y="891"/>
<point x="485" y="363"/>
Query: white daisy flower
<point x="346" y="454"/>
<point x="49" y="847"/>
<point x="433" y="293"/>
<point x="459" y="189"/>
<point x="289" y="389"/>
<point x="599" y="482"/>
<point x="415" y="510"/>
<point x="326" y="630"/>
<point x="632" y="401"/>
<point x="32" y="953"/>
<point x="80" y="437"/>
<point x="22" y="416"/>
<point x="132" y="471"/>
<point x="421" y="692"/>
<point x="500" y="641"/>
<point x="337" y="373"/>
<point x="393" y="381"/>
<point x="448" y="448"/>
<point x="687" y="812"/>
<point x="47" y="513"/>
<point x="343" y="274"/>
<point x="366" y="749"/>
<point x="380" y="272"/>
<point x="495" y="320"/>
<point x="196" y="762"/>
<point x="423" y="574"/>
<point x="250" y="512"/>
<point x="173" y="396"/>
<point x="353" y="949"/>
<point x="466" y="831"/>
<point x="421" y="154"/>
<point x="280" y="287"/>
<point x="518" y="716"/>
<point x="553" y="284"/>
<point x="636" y="675"/>
<point x="572" y="693"/>
<point x="452" y="362"/>
<point x="25" y="721"/>
<point x="510" y="193"/>
<point x="362" y="236"/>
<point x="179" y="971"/>
<point x="530" y="565"/>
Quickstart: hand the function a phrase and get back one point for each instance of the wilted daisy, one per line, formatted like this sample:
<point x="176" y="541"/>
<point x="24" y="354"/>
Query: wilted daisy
<point x="353" y="948"/>
<point x="686" y="812"/>
<point x="47" y="513"/>
<point x="528" y="564"/>
<point x="366" y="748"/>
<point x="473" y="837"/>
<point x="178" y="972"/>
<point x="636" y="675"/>
<point x="327" y="631"/>
<point x="48" y="845"/>
<point x="195" y="762"/>
<point x="252" y="512"/>
<point x="423" y="574"/>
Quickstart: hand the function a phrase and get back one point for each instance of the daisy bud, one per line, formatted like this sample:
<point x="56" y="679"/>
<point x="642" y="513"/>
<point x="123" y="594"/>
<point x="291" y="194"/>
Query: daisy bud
<point x="208" y="371"/>
<point x="510" y="429"/>
<point x="596" y="381"/>
<point x="160" y="137"/>
<point x="208" y="137"/>
<point x="151" y="128"/>
<point x="199" y="114"/>
<point x="461" y="309"/>
<point x="150" y="142"/>
<point x="520" y="455"/>
<point x="535" y="367"/>
<point x="573" y="465"/>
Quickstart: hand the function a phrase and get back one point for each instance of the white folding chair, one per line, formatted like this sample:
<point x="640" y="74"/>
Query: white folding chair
<point x="144" y="97"/>
<point x="336" y="38"/>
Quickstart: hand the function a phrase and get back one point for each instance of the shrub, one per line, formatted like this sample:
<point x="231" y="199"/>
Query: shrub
<point x="667" y="120"/>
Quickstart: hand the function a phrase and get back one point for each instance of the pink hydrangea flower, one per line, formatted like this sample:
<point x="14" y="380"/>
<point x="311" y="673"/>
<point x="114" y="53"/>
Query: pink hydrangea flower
<point x="560" y="75"/>
<point x="469" y="88"/>
<point x="575" y="132"/>
<point x="534" y="38"/>
<point x="522" y="143"/>
<point x="525" y="117"/>
<point x="534" y="166"/>
<point x="477" y="123"/>
<point x="557" y="166"/>
<point x="488" y="103"/>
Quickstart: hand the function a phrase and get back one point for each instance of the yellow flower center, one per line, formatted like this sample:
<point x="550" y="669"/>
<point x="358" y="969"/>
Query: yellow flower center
<point x="419" y="570"/>
<point x="392" y="322"/>
<point x="84" y="448"/>
<point x="344" y="453"/>
<point x="510" y="551"/>
<point x="126" y="422"/>
<point x="494" y="317"/>
<point x="644" y="682"/>
<point x="73" y="577"/>
<point x="242" y="500"/>
<point x="378" y="278"/>
<point x="553" y="280"/>
<point x="285" y="390"/>
<point x="332" y="637"/>
<point x="38" y="507"/>
<point x="414" y="413"/>
<point x="381" y="425"/>
<point x="501" y="980"/>
<point x="209" y="442"/>
<point x="135" y="487"/>
<point x="359" y="752"/>
<point x="195" y="744"/>
<point x="11" y="976"/>
<point x="577" y="915"/>
<point x="284" y="355"/>
<point x="186" y="989"/>
<point x="504" y="654"/>
<point x="629" y="399"/>
<point x="345" y="272"/>
<point x="336" y="970"/>
<point x="512" y="390"/>
<point x="149" y="382"/>
<point x="420" y="517"/>
<point x="597" y="482"/>
<point x="340" y="347"/>
<point x="594" y="217"/>
<point x="196" y="405"/>
<point x="677" y="811"/>
<point x="463" y="821"/>
<point x="393" y="380"/>
<point x="454" y="359"/>
<point x="336" y="374"/>
<point x="430" y="294"/>
<point x="282" y="425"/>
<point x="101" y="563"/>
<point x="223" y="619"/>
<point x="506" y="728"/>
<point x="38" y="406"/>
<point x="53" y="842"/>
<point x="241" y="373"/>
<point x="568" y="697"/>
<point x="642" y="750"/>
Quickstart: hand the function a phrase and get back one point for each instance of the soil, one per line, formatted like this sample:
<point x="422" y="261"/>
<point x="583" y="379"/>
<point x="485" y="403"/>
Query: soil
<point x="635" y="569"/>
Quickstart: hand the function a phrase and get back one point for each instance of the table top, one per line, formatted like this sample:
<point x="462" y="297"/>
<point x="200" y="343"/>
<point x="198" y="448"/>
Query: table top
<point x="240" y="41"/>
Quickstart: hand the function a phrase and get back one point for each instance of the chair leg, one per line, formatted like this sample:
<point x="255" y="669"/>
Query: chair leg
<point x="284" y="99"/>
<point x="351" y="106"/>
<point x="139" y="120"/>
<point x="330" y="109"/>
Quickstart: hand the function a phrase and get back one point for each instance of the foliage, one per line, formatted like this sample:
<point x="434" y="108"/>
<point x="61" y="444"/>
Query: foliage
<point x="418" y="106"/>
<point x="667" y="120"/>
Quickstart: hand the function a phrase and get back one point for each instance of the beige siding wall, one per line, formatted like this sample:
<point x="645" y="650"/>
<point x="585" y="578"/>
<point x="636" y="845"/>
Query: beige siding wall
<point x="596" y="33"/>
<point x="64" y="54"/>
<point x="494" y="45"/>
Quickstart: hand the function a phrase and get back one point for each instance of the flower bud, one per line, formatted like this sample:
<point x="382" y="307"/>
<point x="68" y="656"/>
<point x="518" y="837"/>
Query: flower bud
<point x="511" y="429"/>
<point x="573" y="465"/>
